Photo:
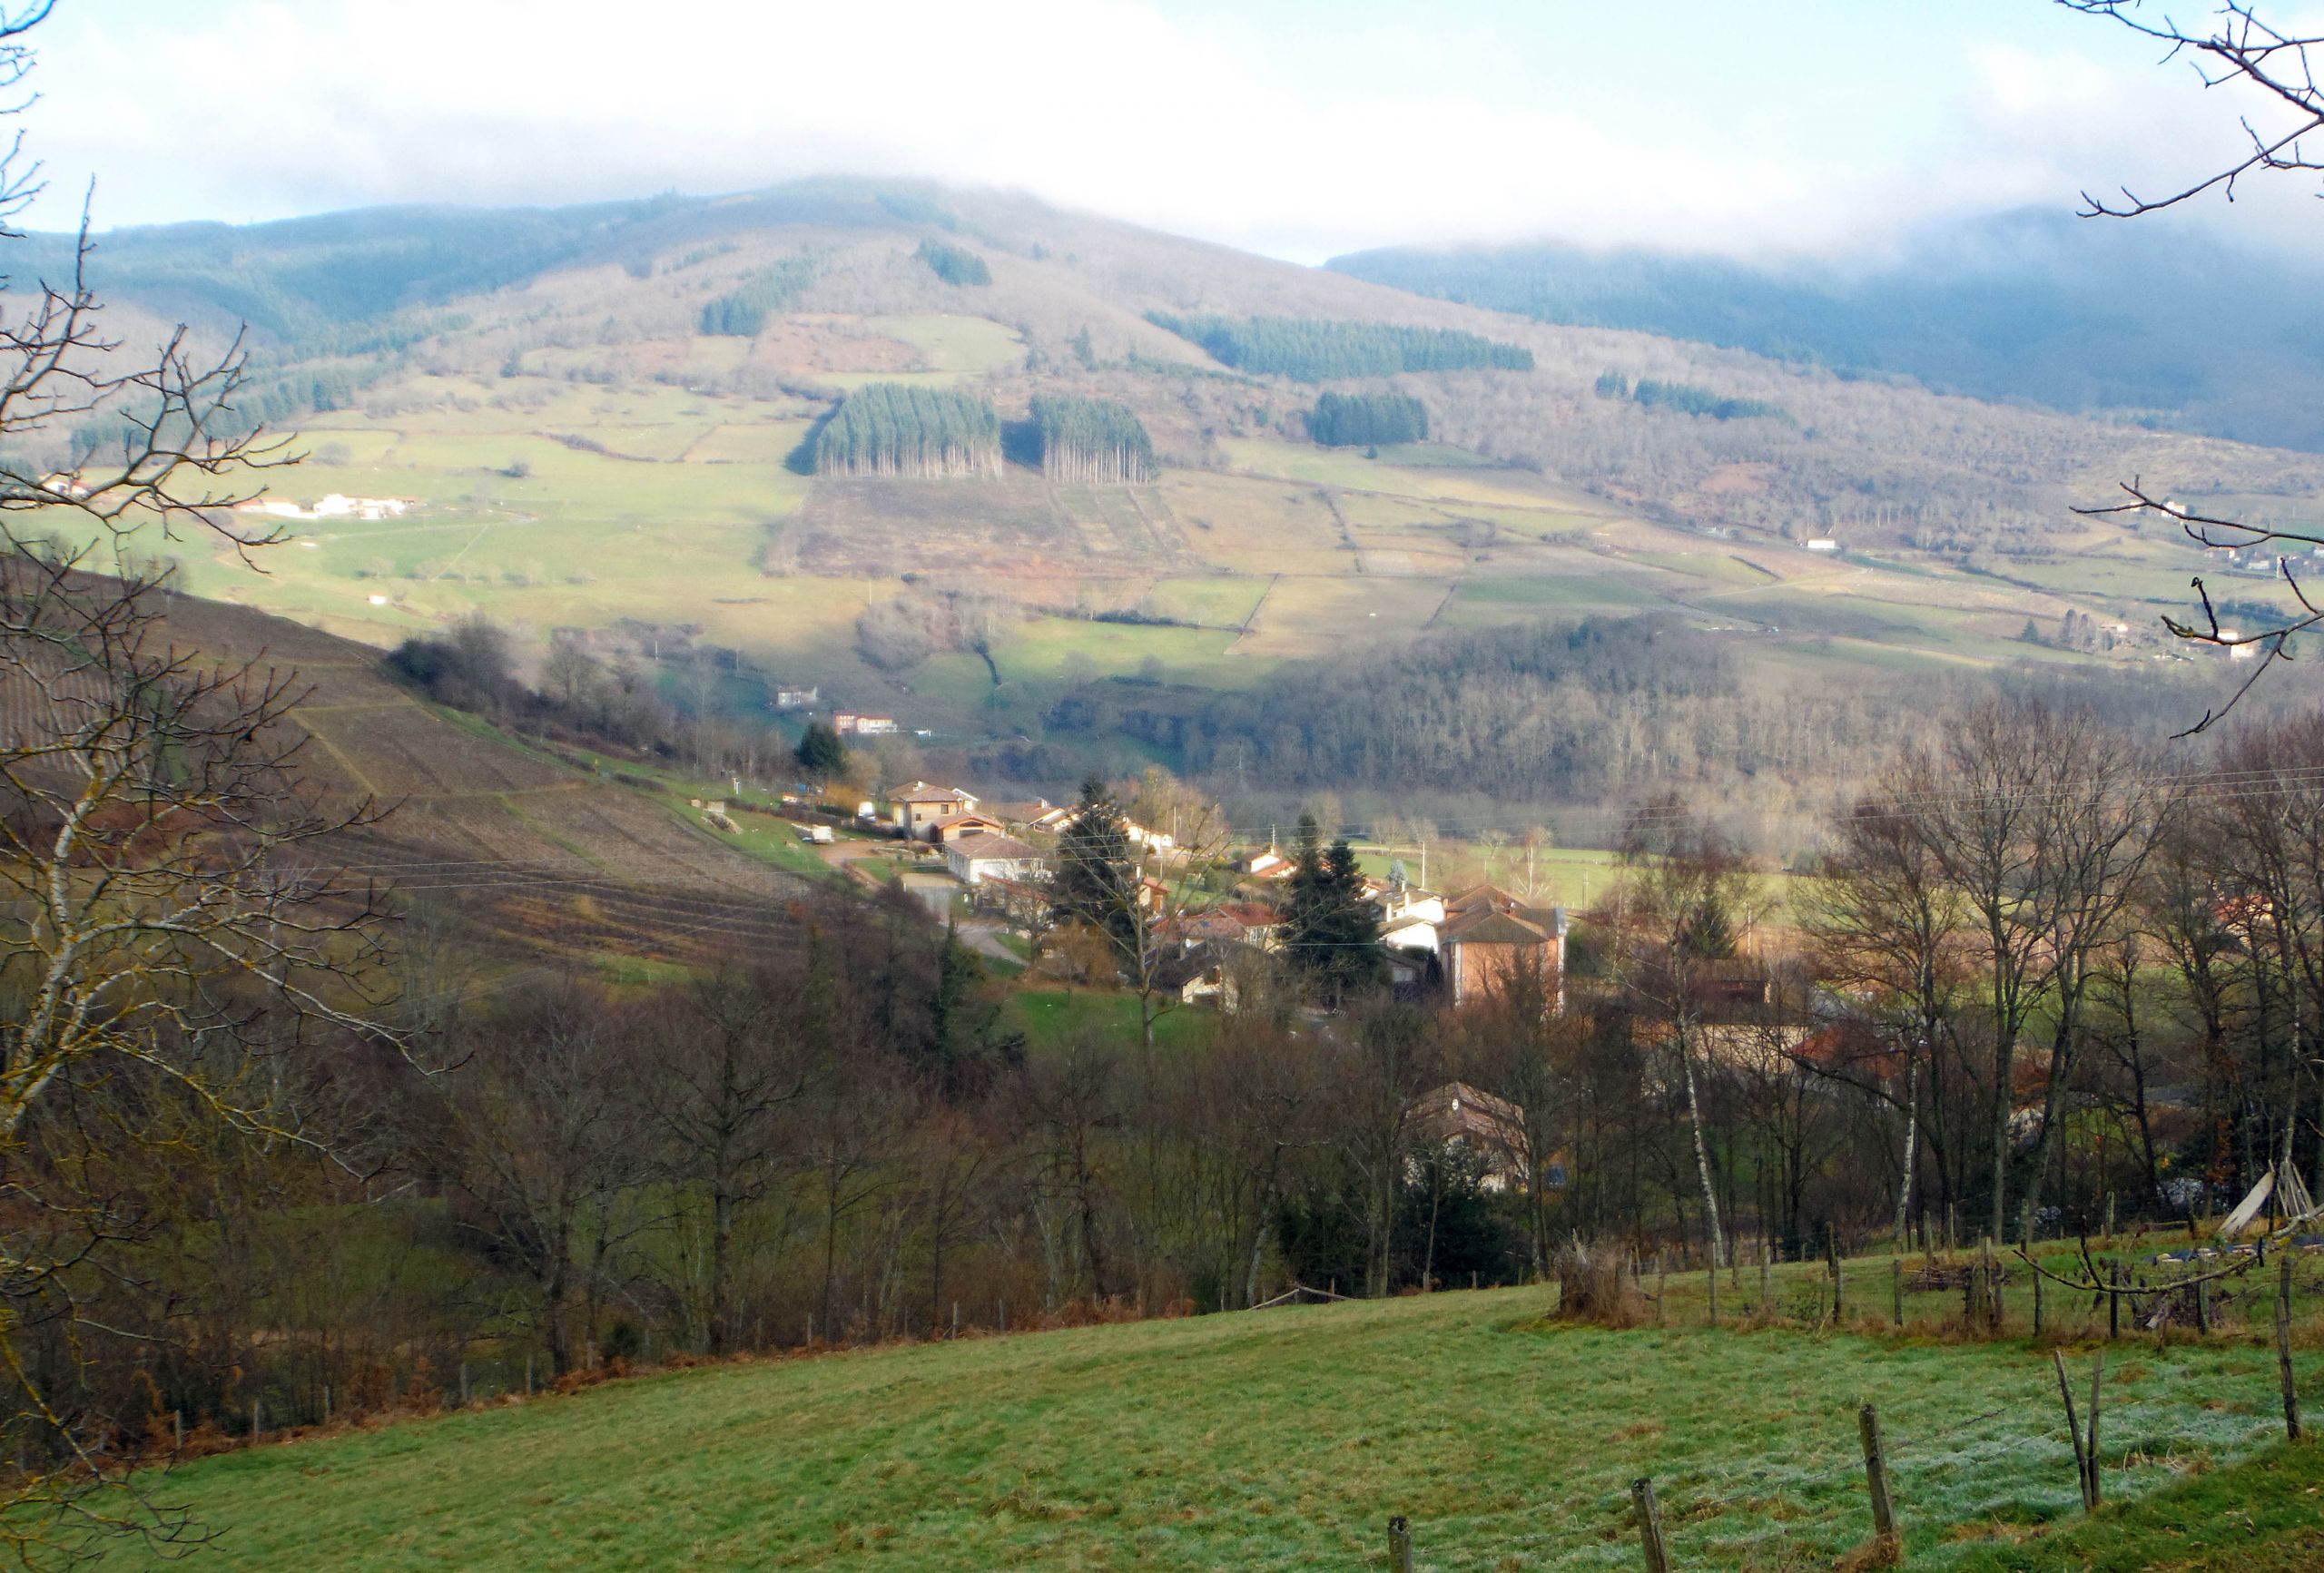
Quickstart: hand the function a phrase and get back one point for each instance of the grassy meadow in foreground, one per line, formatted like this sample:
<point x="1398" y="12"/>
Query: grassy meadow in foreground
<point x="1274" y="1440"/>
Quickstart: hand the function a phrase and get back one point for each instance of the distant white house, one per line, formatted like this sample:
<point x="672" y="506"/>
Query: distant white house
<point x="1409" y="916"/>
<point x="1064" y="819"/>
<point x="977" y="859"/>
<point x="848" y="723"/>
<point x="1823" y="543"/>
<point x="1264" y="864"/>
<point x="333" y="506"/>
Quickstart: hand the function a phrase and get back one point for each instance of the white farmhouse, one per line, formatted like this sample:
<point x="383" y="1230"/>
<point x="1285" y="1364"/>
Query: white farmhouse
<point x="977" y="859"/>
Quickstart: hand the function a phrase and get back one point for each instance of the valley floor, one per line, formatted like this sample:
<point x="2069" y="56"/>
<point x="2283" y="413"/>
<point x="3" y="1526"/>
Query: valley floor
<point x="1284" y="1438"/>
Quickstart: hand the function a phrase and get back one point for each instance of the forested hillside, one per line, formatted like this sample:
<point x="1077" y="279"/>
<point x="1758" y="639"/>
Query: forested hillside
<point x="1311" y="352"/>
<point x="723" y="441"/>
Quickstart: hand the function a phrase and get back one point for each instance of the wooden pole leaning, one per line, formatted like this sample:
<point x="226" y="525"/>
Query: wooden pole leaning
<point x="1650" y="1525"/>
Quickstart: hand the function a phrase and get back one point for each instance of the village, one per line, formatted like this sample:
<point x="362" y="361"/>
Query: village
<point x="1213" y="929"/>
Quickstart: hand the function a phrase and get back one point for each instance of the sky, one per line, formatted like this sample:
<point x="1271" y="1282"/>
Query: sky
<point x="1297" y="128"/>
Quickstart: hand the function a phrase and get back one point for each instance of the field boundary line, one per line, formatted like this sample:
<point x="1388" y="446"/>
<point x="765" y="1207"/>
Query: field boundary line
<point x="340" y="754"/>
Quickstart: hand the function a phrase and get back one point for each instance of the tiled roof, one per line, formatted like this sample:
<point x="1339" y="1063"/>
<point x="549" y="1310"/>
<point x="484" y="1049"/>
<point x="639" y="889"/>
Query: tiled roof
<point x="990" y="846"/>
<point x="1491" y="927"/>
<point x="921" y="791"/>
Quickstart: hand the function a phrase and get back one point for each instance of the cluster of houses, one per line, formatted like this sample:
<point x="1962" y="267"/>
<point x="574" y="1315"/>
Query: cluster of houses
<point x="332" y="506"/>
<point x="1464" y="945"/>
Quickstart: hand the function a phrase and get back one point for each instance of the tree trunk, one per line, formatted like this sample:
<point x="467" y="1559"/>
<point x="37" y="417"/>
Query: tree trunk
<point x="1702" y="1152"/>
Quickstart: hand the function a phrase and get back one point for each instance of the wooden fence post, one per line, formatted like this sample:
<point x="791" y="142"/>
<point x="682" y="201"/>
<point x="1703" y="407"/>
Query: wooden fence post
<point x="2037" y="1299"/>
<point x="177" y="1428"/>
<point x="1650" y="1525"/>
<point x="2284" y="1347"/>
<point x="2097" y="1481"/>
<point x="1712" y="1278"/>
<point x="1766" y="1280"/>
<point x="1876" y="1475"/>
<point x="2114" y="1299"/>
<point x="258" y="1419"/>
<point x="2074" y="1430"/>
<point x="1661" y="1288"/>
<point x="1399" y="1545"/>
<point x="1832" y="1250"/>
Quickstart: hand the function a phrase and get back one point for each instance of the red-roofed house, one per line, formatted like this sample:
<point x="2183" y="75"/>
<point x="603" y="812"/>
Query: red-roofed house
<point x="961" y="827"/>
<point x="1488" y="936"/>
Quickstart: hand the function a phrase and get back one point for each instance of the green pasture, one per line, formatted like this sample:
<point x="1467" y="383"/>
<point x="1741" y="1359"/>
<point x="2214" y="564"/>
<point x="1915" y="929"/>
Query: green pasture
<point x="1048" y="649"/>
<point x="949" y="343"/>
<point x="1050" y="1017"/>
<point x="1346" y="467"/>
<point x="1284" y="1438"/>
<point x="1222" y="603"/>
<point x="1605" y="587"/>
<point x="1311" y="616"/>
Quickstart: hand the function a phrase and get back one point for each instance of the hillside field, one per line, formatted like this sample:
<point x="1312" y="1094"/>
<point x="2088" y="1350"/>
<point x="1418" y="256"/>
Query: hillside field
<point x="1284" y="1439"/>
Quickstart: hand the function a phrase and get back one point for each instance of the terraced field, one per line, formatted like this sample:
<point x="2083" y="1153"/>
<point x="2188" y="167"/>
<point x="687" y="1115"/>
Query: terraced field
<point x="542" y="856"/>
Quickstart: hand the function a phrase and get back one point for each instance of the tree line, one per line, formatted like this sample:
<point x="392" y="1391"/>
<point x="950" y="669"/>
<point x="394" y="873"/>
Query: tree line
<point x="1091" y="441"/>
<point x="1688" y="399"/>
<point x="1317" y="349"/>
<point x="954" y="264"/>
<point x="1367" y="420"/>
<point x="742" y="312"/>
<point x="893" y="428"/>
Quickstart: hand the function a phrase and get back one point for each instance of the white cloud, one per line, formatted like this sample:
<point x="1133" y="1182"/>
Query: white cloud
<point x="263" y="108"/>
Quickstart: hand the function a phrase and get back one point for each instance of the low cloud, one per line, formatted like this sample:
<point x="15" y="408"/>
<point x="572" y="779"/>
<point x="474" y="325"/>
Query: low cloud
<point x="263" y="109"/>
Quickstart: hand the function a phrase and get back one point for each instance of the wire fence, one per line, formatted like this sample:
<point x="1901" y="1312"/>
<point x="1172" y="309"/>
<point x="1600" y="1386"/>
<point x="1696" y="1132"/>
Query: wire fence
<point x="2017" y="1458"/>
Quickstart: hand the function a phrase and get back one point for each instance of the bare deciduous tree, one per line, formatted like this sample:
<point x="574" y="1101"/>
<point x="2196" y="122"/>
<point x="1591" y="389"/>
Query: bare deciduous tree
<point x="2239" y="48"/>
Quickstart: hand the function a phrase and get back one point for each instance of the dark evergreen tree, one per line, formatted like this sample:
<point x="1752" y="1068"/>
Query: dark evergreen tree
<point x="743" y="311"/>
<point x="1091" y="441"/>
<point x="954" y="264"/>
<point x="1331" y="933"/>
<point x="1096" y="878"/>
<point x="1367" y="420"/>
<point x="892" y="428"/>
<point x="820" y="754"/>
<point x="1309" y="350"/>
<point x="1689" y="400"/>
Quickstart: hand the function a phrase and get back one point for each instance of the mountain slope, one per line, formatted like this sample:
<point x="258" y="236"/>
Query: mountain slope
<point x="614" y="443"/>
<point x="2144" y="321"/>
<point x="536" y="856"/>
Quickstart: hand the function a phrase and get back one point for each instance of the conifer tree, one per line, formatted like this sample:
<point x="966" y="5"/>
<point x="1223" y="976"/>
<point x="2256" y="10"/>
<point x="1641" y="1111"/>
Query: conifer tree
<point x="1097" y="879"/>
<point x="820" y="754"/>
<point x="1332" y="932"/>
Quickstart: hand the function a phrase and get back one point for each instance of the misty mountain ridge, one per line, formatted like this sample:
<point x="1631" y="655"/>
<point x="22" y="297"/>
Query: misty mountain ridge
<point x="2146" y="321"/>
